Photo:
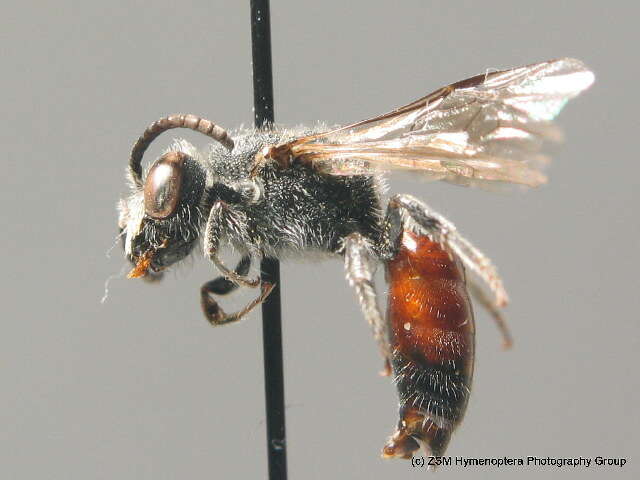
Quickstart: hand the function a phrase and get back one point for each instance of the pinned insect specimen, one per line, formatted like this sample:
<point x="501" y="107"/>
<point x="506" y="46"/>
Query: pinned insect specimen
<point x="281" y="192"/>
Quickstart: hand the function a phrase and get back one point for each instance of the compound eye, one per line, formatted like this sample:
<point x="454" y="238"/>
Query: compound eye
<point x="163" y="185"/>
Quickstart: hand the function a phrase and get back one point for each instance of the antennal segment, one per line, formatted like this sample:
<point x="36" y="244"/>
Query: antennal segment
<point x="192" y="122"/>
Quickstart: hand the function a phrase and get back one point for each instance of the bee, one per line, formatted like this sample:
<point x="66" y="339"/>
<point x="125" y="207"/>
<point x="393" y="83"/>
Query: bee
<point x="281" y="192"/>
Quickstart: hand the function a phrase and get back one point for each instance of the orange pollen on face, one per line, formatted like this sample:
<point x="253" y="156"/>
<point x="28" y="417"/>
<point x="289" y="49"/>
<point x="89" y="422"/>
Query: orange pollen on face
<point x="141" y="268"/>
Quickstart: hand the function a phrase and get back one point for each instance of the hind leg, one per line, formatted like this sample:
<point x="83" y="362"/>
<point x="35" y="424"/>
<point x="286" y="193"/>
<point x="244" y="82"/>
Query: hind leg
<point x="480" y="296"/>
<point x="405" y="211"/>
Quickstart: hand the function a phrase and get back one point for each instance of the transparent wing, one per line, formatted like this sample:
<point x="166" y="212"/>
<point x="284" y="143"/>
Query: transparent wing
<point x="488" y="128"/>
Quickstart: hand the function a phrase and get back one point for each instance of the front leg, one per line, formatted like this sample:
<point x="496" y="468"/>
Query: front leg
<point x="222" y="285"/>
<point x="358" y="264"/>
<point x="217" y="316"/>
<point x="222" y="216"/>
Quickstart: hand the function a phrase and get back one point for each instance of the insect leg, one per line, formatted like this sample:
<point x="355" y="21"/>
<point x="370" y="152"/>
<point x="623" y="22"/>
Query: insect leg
<point x="222" y="286"/>
<point x="483" y="299"/>
<point x="411" y="212"/>
<point x="359" y="270"/>
<point x="219" y="216"/>
<point x="217" y="316"/>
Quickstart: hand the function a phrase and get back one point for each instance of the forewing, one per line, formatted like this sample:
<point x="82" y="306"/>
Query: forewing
<point x="488" y="128"/>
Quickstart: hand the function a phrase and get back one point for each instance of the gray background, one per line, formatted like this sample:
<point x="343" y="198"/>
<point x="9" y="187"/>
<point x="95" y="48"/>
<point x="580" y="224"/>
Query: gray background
<point x="142" y="388"/>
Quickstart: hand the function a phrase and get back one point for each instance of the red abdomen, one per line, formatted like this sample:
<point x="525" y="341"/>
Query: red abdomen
<point x="431" y="334"/>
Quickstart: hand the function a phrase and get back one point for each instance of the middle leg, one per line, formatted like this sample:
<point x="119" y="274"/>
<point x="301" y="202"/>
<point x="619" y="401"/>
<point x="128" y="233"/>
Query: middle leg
<point x="359" y="267"/>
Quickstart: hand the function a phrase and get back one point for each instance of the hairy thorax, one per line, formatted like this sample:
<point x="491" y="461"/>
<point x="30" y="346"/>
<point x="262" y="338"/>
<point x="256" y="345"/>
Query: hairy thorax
<point x="297" y="210"/>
